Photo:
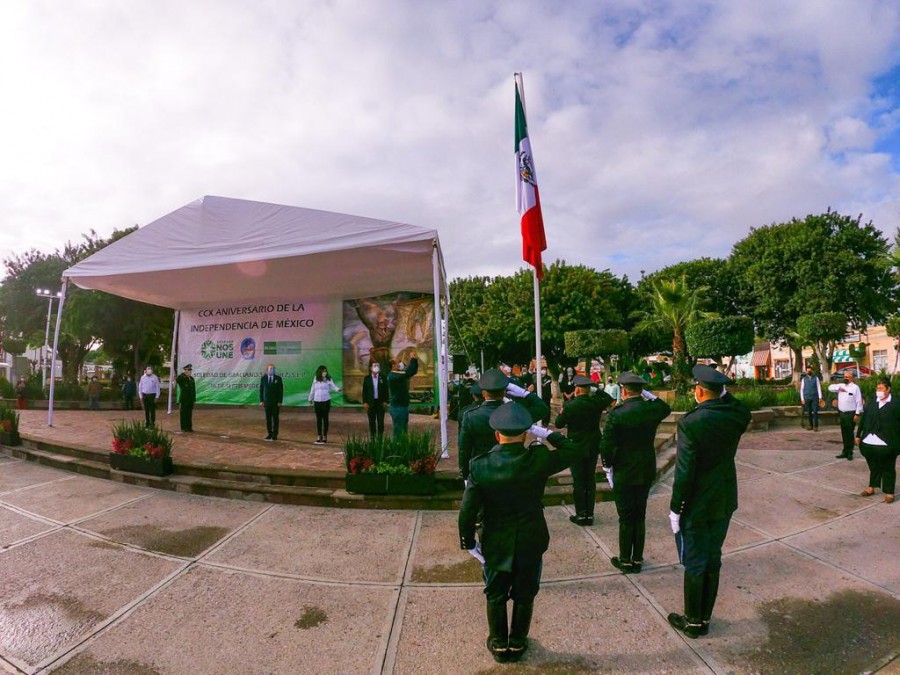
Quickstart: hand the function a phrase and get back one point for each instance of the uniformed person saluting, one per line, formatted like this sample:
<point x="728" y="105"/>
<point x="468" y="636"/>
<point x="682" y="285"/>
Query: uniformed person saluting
<point x="187" y="395"/>
<point x="508" y="485"/>
<point x="628" y="449"/>
<point x="581" y="415"/>
<point x="704" y="495"/>
<point x="476" y="437"/>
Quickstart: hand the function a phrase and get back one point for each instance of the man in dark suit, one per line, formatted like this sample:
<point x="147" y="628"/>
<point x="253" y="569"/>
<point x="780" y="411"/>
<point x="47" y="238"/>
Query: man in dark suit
<point x="628" y="449"/>
<point x="271" y="396"/>
<point x="476" y="437"/>
<point x="704" y="495"/>
<point x="581" y="415"/>
<point x="878" y="438"/>
<point x="375" y="395"/>
<point x="187" y="395"/>
<point x="507" y="485"/>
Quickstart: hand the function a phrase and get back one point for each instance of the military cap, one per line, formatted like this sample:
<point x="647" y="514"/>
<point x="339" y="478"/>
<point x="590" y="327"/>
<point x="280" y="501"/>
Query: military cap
<point x="475" y="390"/>
<point x="493" y="380"/>
<point x="511" y="419"/>
<point x="709" y="376"/>
<point x="582" y="381"/>
<point x="189" y="367"/>
<point x="631" y="379"/>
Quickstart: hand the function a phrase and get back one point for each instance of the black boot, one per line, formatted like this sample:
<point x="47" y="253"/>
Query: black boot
<point x="518" y="633"/>
<point x="498" y="629"/>
<point x="690" y="622"/>
<point x="710" y="591"/>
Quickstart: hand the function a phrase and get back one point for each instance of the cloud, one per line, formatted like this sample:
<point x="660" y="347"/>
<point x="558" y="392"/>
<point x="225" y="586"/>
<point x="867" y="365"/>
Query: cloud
<point x="661" y="132"/>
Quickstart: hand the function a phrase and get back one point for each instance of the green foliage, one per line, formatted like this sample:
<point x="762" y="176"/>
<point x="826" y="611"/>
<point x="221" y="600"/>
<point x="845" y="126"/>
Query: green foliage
<point x="724" y="336"/>
<point x="824" y="326"/>
<point x="14" y="346"/>
<point x="754" y="396"/>
<point x="788" y="397"/>
<point x="411" y="453"/>
<point x="893" y="326"/>
<point x="592" y="342"/>
<point x="867" y="386"/>
<point x="713" y="274"/>
<point x="133" y="438"/>
<point x="9" y="420"/>
<point x="69" y="391"/>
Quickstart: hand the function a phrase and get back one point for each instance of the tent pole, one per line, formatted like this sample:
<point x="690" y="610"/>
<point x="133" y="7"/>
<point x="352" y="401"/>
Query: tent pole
<point x="441" y="350"/>
<point x="172" y="359"/>
<point x="59" y="311"/>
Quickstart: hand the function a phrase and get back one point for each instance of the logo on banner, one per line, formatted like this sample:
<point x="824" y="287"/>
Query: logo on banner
<point x="217" y="349"/>
<point x="248" y="348"/>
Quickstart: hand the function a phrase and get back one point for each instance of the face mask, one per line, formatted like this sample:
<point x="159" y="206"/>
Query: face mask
<point x="148" y="372"/>
<point x="270" y="371"/>
<point x="376" y="370"/>
<point x="809" y="373"/>
<point x="879" y="395"/>
<point x="544" y="371"/>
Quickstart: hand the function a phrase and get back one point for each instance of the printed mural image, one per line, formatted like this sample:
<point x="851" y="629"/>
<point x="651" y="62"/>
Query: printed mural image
<point x="385" y="328"/>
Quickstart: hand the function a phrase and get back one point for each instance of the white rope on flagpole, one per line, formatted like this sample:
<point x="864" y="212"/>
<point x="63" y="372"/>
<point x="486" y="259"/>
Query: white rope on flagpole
<point x="172" y="360"/>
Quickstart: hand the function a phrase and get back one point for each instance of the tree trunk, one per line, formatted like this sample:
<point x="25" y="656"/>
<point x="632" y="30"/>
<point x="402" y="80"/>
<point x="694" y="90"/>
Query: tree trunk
<point x="798" y="365"/>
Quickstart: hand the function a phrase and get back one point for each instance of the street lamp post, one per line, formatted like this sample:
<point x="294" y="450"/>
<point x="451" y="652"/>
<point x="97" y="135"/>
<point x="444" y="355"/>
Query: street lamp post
<point x="50" y="295"/>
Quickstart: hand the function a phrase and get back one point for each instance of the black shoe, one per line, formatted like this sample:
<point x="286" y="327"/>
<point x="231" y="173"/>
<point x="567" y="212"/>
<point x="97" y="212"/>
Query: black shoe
<point x="704" y="625"/>
<point x="850" y="457"/>
<point x="691" y="629"/>
<point x="588" y="520"/>
<point x="624" y="566"/>
<point x="268" y="438"/>
<point x="843" y="455"/>
<point x="498" y="649"/>
<point x="518" y="631"/>
<point x="578" y="520"/>
<point x="636" y="566"/>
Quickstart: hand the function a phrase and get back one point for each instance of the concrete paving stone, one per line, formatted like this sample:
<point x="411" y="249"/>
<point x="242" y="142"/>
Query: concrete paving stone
<point x="659" y="548"/>
<point x="851" y="477"/>
<point x="602" y="625"/>
<point x="863" y="543"/>
<point x="788" y="505"/>
<point x="792" y="439"/>
<point x="216" y="621"/>
<point x="572" y="552"/>
<point x="55" y="589"/>
<point x="779" y="611"/>
<point x="746" y="472"/>
<point x="785" y="461"/>
<point x="17" y="475"/>
<point x="182" y="525"/>
<point x="15" y="527"/>
<point x="437" y="557"/>
<point x="68" y="500"/>
<point x="324" y="543"/>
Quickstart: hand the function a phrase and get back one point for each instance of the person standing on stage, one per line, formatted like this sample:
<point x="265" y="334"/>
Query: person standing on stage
<point x="149" y="390"/>
<point x="376" y="397"/>
<point x="850" y="407"/>
<point x="705" y="494"/>
<point x="187" y="395"/>
<point x="320" y="397"/>
<point x="271" y="396"/>
<point x="628" y="451"/>
<point x="398" y="386"/>
<point x="476" y="436"/>
<point x="506" y="485"/>
<point x="581" y="415"/>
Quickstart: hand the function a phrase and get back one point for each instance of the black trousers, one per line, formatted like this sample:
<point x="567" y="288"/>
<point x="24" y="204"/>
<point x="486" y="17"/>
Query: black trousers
<point x="129" y="402"/>
<point x="847" y="425"/>
<point x="272" y="412"/>
<point x="322" y="409"/>
<point x="376" y="419"/>
<point x="811" y="408"/>
<point x="584" y="484"/>
<point x="882" y="463"/>
<point x="631" y="505"/>
<point x="149" y="401"/>
<point x="519" y="585"/>
<point x="186" y="413"/>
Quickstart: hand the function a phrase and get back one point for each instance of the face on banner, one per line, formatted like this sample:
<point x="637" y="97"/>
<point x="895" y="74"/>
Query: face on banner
<point x="385" y="328"/>
<point x="230" y="345"/>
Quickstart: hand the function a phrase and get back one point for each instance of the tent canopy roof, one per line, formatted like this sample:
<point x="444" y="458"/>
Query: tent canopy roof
<point x="218" y="249"/>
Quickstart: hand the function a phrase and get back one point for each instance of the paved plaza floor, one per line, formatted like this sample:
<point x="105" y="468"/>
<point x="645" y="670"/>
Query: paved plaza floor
<point x="101" y="577"/>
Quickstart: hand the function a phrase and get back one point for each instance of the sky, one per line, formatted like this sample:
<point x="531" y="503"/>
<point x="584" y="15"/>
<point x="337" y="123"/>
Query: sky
<point x="662" y="131"/>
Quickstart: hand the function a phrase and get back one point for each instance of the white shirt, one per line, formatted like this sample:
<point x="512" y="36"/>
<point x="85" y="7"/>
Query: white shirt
<point x="849" y="397"/>
<point x="149" y="384"/>
<point x="321" y="391"/>
<point x="875" y="439"/>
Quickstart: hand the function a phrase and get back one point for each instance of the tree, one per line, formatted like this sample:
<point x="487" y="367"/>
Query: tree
<point x="822" y="330"/>
<point x="590" y="343"/>
<point x="713" y="274"/>
<point x="823" y="263"/>
<point x="717" y="338"/>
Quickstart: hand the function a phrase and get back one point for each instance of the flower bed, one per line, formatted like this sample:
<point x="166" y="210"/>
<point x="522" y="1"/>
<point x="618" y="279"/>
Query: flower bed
<point x="140" y="449"/>
<point x="403" y="465"/>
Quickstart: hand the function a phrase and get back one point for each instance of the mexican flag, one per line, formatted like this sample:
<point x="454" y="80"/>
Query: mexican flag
<point x="528" y="201"/>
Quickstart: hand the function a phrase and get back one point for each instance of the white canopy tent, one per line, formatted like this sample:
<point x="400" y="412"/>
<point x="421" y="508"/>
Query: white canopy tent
<point x="218" y="249"/>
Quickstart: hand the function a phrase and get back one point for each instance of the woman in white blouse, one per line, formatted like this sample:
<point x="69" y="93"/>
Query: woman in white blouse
<point x="320" y="397"/>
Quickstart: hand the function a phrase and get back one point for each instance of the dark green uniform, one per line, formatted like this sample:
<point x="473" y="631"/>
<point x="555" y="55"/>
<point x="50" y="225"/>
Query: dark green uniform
<point x="476" y="437"/>
<point x="705" y="496"/>
<point x="629" y="447"/>
<point x="581" y="416"/>
<point x="187" y="395"/>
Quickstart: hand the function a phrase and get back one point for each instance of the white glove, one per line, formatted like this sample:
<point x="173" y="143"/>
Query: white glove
<point x="515" y="390"/>
<point x="648" y="395"/>
<point x="609" y="475"/>
<point x="674" y="520"/>
<point x="539" y="432"/>
<point x="724" y="391"/>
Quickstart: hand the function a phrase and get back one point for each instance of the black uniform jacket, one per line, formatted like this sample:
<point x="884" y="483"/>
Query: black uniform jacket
<point x="705" y="478"/>
<point x="271" y="394"/>
<point x="581" y="415"/>
<point x="884" y="422"/>
<point x="508" y="483"/>
<point x="368" y="390"/>
<point x="187" y="388"/>
<point x="475" y="434"/>
<point x="629" y="440"/>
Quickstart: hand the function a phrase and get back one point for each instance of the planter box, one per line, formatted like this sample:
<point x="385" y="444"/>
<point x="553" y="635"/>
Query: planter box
<point x="151" y="467"/>
<point x="10" y="438"/>
<point x="380" y="484"/>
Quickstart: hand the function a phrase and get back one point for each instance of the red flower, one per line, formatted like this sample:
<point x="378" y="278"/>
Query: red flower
<point x="423" y="466"/>
<point x="119" y="446"/>
<point x="360" y="464"/>
<point x="6" y="425"/>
